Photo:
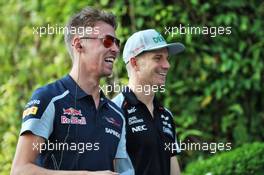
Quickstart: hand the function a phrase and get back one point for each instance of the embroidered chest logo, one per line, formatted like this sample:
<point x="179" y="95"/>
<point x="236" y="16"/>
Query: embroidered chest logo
<point x="112" y="132"/>
<point x="133" y="120"/>
<point x="112" y="121"/>
<point x="139" y="128"/>
<point x="75" y="117"/>
<point x="72" y="112"/>
<point x="131" y="110"/>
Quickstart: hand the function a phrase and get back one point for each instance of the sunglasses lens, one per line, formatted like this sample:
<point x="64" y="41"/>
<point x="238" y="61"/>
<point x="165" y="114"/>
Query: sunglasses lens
<point x="109" y="41"/>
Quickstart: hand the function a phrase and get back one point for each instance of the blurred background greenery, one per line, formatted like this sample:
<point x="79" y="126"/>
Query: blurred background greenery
<point x="214" y="89"/>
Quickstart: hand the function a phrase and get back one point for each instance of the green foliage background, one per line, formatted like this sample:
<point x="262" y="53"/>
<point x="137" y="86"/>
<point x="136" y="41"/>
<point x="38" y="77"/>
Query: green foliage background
<point x="214" y="89"/>
<point x="245" y="160"/>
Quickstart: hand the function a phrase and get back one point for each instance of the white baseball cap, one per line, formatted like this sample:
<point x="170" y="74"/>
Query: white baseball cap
<point x="148" y="40"/>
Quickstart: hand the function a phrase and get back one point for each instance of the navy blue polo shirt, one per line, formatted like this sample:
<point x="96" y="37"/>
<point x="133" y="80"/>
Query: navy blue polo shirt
<point x="151" y="141"/>
<point x="77" y="135"/>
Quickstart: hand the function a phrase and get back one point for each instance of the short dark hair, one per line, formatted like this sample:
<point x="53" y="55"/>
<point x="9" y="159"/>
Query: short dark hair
<point x="87" y="17"/>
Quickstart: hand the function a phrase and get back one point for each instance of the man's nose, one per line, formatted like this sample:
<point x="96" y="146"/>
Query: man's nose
<point x="115" y="48"/>
<point x="166" y="64"/>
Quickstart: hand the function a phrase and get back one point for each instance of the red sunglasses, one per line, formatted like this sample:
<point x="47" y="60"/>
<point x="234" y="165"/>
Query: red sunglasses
<point x="108" y="40"/>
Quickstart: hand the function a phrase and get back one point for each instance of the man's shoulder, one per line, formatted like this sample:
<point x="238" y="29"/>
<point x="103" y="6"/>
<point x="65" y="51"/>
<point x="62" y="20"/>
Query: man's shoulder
<point x="49" y="91"/>
<point x="116" y="111"/>
<point x="114" y="106"/>
<point x="168" y="111"/>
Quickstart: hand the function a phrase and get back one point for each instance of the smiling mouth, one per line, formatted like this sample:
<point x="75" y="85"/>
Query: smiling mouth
<point x="163" y="74"/>
<point x="110" y="59"/>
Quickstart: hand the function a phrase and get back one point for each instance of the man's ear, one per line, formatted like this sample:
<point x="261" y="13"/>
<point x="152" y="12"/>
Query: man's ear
<point x="76" y="44"/>
<point x="134" y="63"/>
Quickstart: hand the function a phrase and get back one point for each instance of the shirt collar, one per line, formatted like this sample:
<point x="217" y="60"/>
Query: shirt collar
<point x="74" y="88"/>
<point x="132" y="98"/>
<point x="103" y="99"/>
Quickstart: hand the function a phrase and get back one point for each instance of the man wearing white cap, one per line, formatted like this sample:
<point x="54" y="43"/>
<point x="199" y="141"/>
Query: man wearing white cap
<point x="150" y="131"/>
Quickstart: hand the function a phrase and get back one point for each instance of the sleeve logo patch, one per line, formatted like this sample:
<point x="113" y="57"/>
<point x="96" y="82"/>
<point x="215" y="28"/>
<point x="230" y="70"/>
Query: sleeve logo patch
<point x="168" y="131"/>
<point x="32" y="102"/>
<point x="30" y="111"/>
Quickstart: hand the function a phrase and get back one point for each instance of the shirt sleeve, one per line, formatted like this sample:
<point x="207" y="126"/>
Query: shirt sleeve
<point x="175" y="148"/>
<point x="121" y="149"/>
<point x="38" y="115"/>
<point x="123" y="163"/>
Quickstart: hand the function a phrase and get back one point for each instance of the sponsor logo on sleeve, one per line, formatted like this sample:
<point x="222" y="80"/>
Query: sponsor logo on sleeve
<point x="30" y="111"/>
<point x="165" y="118"/>
<point x="168" y="131"/>
<point x="32" y="102"/>
<point x="166" y="124"/>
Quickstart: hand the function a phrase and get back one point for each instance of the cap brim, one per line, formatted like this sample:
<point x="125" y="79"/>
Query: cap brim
<point x="173" y="48"/>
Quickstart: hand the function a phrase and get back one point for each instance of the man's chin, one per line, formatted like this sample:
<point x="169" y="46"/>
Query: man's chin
<point x="160" y="83"/>
<point x="106" y="74"/>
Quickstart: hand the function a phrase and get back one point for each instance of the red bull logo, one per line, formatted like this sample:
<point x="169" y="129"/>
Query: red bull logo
<point x="72" y="112"/>
<point x="73" y="120"/>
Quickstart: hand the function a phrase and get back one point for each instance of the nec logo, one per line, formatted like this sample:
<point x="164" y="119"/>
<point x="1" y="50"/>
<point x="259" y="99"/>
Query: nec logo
<point x="139" y="128"/>
<point x="158" y="39"/>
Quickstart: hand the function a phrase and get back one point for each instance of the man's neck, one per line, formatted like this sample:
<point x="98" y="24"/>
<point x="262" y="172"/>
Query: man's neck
<point x="89" y="84"/>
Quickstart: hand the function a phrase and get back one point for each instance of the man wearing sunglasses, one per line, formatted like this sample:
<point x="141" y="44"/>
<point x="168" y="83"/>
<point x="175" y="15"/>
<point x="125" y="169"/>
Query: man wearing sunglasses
<point x="150" y="131"/>
<point x="69" y="126"/>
